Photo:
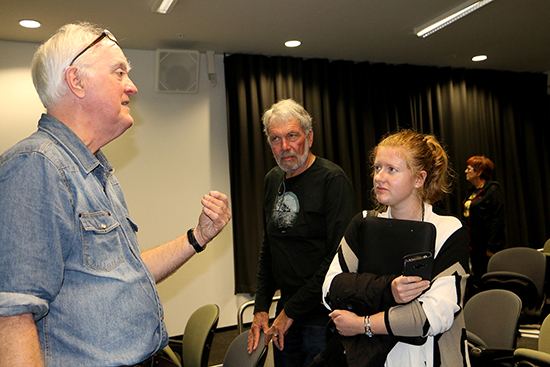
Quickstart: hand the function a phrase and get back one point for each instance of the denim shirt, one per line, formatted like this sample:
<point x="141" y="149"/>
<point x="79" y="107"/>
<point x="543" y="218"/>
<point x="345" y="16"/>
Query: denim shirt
<point x="69" y="254"/>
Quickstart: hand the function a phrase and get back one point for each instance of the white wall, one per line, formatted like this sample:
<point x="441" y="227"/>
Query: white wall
<point x="175" y="153"/>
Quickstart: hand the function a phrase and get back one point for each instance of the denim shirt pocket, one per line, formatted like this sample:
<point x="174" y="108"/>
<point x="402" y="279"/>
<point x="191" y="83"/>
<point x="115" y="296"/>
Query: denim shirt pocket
<point x="101" y="244"/>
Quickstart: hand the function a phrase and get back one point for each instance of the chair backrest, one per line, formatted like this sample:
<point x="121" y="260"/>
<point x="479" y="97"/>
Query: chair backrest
<point x="197" y="337"/>
<point x="493" y="316"/>
<point x="527" y="357"/>
<point x="237" y="353"/>
<point x="546" y="248"/>
<point x="523" y="260"/>
<point x="544" y="336"/>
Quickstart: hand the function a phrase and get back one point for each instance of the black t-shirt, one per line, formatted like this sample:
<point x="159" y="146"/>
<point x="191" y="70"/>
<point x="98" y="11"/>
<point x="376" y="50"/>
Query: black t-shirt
<point x="305" y="218"/>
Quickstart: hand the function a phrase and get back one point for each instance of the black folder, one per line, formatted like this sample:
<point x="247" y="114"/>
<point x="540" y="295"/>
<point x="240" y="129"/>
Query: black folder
<point x="385" y="242"/>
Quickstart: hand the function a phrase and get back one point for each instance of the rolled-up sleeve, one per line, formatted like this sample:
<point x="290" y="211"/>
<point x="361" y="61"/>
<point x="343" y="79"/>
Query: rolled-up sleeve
<point x="18" y="304"/>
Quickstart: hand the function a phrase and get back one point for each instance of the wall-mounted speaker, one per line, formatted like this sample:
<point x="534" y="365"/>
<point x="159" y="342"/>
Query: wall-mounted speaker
<point x="177" y="71"/>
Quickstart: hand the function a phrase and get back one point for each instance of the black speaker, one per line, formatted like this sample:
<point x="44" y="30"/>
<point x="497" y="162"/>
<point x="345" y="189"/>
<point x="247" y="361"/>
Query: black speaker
<point x="177" y="71"/>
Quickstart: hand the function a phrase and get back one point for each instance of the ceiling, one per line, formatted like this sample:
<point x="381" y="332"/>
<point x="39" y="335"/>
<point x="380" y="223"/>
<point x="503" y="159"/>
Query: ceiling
<point x="515" y="34"/>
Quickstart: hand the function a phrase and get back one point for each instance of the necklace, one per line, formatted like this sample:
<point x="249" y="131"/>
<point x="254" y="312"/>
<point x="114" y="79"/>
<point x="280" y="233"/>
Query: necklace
<point x="413" y="214"/>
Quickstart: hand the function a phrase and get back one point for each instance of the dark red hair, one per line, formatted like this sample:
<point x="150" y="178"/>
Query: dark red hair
<point x="482" y="164"/>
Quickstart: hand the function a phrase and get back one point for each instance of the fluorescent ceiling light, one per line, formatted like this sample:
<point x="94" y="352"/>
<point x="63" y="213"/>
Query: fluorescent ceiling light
<point x="449" y="17"/>
<point x="163" y="6"/>
<point x="28" y="23"/>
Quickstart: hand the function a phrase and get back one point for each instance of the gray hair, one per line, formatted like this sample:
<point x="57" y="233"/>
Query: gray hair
<point x="285" y="110"/>
<point x="53" y="57"/>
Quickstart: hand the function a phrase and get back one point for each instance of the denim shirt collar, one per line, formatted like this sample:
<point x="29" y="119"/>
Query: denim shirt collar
<point x="66" y="137"/>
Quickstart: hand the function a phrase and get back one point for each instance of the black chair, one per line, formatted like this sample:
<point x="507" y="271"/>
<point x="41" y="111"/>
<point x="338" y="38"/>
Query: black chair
<point x="237" y="353"/>
<point x="520" y="270"/>
<point x="491" y="318"/>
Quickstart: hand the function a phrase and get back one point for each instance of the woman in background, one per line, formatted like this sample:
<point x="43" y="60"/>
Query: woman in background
<point x="483" y="210"/>
<point x="408" y="321"/>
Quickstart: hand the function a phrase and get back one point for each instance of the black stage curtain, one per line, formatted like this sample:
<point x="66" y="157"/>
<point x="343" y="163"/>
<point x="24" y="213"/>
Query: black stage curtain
<point x="502" y="115"/>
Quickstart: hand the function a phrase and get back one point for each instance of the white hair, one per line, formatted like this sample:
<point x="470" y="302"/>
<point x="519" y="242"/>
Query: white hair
<point x="53" y="57"/>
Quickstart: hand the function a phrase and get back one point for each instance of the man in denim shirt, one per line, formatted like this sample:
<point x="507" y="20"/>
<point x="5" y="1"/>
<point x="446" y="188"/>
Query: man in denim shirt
<point x="74" y="288"/>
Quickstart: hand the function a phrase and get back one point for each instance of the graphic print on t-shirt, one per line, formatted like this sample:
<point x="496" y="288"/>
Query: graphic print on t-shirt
<point x="286" y="210"/>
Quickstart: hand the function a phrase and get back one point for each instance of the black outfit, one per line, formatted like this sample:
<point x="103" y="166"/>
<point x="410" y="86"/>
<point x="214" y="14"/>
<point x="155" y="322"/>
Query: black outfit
<point x="304" y="219"/>
<point x="483" y="211"/>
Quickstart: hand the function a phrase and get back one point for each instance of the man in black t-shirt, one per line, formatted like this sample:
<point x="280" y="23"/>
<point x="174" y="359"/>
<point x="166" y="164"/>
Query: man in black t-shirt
<point x="308" y="203"/>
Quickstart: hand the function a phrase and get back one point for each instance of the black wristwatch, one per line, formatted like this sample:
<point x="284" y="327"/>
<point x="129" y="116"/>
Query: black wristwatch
<point x="193" y="241"/>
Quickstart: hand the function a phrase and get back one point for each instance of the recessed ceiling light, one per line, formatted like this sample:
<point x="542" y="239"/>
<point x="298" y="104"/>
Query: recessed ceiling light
<point x="28" y="23"/>
<point x="479" y="58"/>
<point x="293" y="43"/>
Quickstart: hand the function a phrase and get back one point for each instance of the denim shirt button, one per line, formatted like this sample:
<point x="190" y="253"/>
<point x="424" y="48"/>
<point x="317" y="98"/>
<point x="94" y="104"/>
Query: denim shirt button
<point x="103" y="226"/>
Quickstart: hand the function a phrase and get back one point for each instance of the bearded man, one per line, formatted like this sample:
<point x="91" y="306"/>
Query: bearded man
<point x="308" y="203"/>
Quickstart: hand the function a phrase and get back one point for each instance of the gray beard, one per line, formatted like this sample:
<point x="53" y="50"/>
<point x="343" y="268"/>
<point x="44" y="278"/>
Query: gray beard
<point x="301" y="160"/>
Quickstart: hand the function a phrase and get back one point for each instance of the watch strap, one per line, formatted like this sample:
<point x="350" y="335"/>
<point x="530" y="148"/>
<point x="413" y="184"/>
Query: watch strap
<point x="193" y="241"/>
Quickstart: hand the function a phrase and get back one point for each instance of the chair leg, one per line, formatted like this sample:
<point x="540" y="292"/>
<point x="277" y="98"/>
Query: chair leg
<point x="171" y="355"/>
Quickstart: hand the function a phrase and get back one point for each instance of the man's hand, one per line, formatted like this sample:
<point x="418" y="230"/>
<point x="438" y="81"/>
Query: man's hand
<point x="405" y="289"/>
<point x="278" y="330"/>
<point x="260" y="322"/>
<point x="214" y="217"/>
<point x="164" y="260"/>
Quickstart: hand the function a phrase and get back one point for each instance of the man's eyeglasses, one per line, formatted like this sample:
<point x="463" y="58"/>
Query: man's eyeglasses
<point x="470" y="168"/>
<point x="105" y="33"/>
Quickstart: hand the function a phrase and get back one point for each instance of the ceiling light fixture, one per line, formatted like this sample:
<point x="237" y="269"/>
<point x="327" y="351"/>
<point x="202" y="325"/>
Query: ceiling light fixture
<point x="449" y="17"/>
<point x="29" y="23"/>
<point x="479" y="58"/>
<point x="163" y="6"/>
<point x="293" y="43"/>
